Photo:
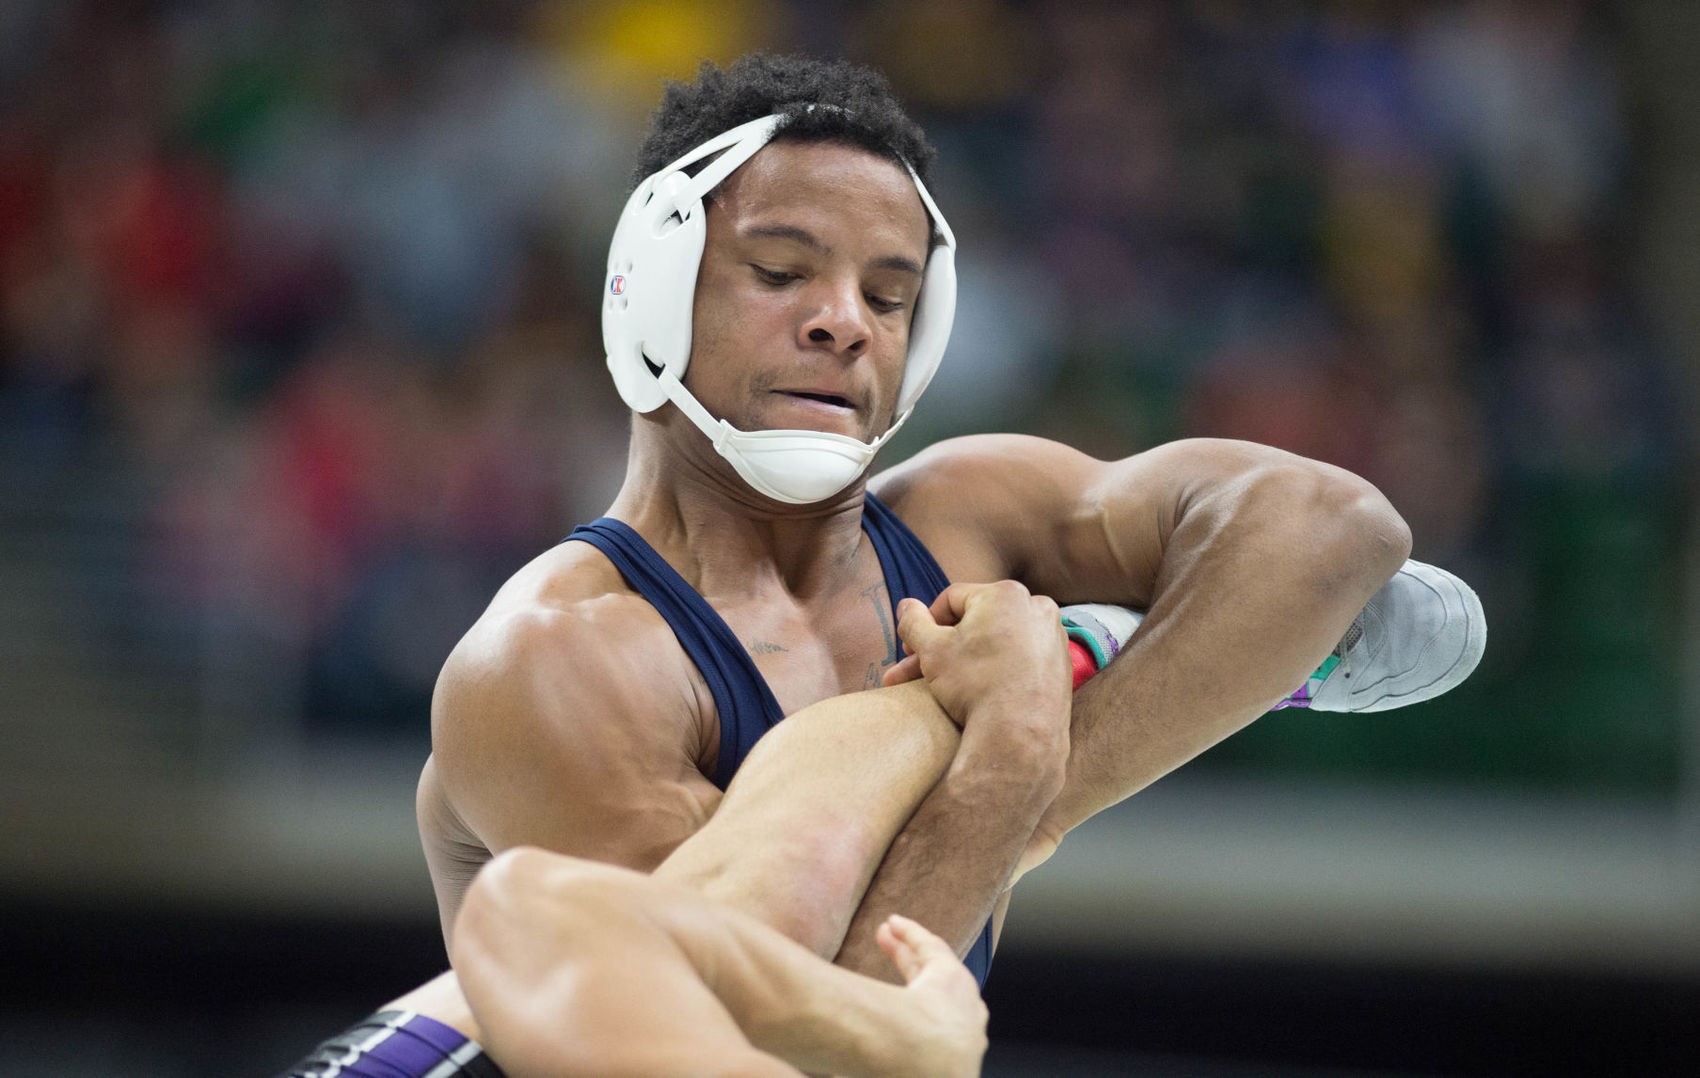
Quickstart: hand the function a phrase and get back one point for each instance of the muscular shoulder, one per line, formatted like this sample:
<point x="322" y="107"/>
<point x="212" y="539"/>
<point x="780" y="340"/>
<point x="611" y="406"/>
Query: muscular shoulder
<point x="568" y="697"/>
<point x="985" y="504"/>
<point x="560" y="617"/>
<point x="565" y="627"/>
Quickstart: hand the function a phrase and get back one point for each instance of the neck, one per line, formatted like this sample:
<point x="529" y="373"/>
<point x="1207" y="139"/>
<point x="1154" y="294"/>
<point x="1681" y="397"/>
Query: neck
<point x="724" y="537"/>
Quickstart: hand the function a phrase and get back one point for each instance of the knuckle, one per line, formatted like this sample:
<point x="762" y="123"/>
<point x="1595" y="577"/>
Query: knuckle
<point x="1012" y="589"/>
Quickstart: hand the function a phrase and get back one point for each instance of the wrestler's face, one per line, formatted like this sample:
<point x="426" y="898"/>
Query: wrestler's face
<point x="809" y="276"/>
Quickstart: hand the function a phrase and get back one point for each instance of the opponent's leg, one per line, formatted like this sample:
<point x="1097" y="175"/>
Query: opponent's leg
<point x="1418" y="637"/>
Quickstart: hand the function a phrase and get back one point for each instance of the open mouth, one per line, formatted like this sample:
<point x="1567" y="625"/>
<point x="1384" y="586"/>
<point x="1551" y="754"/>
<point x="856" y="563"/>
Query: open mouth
<point x="822" y="398"/>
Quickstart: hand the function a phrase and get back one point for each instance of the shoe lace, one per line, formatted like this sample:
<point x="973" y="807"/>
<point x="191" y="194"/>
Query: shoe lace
<point x="1354" y="633"/>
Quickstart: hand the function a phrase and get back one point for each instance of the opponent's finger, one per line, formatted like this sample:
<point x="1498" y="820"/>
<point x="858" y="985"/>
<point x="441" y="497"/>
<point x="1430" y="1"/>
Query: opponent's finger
<point x="898" y="949"/>
<point x="904" y="670"/>
<point x="917" y="946"/>
<point x="952" y="603"/>
<point x="916" y="625"/>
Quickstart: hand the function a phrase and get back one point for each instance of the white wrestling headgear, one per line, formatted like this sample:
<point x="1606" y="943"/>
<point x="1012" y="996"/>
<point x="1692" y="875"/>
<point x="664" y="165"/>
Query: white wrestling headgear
<point x="646" y="323"/>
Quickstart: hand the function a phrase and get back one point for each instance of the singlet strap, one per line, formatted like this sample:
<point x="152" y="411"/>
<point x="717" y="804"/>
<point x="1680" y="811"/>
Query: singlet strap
<point x="910" y="569"/>
<point x="724" y="662"/>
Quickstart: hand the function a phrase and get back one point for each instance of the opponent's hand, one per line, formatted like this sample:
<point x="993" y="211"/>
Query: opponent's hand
<point x="951" y="1016"/>
<point x="982" y="643"/>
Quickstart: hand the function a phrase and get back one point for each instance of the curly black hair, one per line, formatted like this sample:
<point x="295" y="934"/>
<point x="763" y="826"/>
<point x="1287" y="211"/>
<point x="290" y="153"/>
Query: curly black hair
<point x="865" y="112"/>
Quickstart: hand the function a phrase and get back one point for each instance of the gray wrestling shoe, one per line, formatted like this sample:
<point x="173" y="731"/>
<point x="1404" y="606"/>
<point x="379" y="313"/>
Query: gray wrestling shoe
<point x="1421" y="635"/>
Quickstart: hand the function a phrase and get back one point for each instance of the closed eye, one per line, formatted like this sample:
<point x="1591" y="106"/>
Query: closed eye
<point x="780" y="278"/>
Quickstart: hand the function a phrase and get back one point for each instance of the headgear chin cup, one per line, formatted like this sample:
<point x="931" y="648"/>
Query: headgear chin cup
<point x="646" y="323"/>
<point x="794" y="466"/>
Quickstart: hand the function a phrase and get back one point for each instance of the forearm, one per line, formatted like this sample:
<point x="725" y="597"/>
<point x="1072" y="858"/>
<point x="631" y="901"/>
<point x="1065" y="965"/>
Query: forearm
<point x="800" y="862"/>
<point x="948" y="866"/>
<point x="1258" y="580"/>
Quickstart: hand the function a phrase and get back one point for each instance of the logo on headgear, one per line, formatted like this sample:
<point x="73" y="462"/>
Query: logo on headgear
<point x="618" y="285"/>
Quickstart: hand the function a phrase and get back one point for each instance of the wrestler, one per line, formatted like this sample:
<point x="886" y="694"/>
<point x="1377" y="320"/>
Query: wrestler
<point x="780" y="291"/>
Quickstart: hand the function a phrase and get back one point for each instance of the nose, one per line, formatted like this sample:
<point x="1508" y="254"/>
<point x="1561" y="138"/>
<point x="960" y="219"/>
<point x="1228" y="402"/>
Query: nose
<point x="837" y="319"/>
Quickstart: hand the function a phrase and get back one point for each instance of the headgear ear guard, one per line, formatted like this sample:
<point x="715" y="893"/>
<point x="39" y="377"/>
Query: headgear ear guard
<point x="646" y="323"/>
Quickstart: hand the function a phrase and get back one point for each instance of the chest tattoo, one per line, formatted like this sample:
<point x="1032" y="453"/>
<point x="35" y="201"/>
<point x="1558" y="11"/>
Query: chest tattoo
<point x="881" y="599"/>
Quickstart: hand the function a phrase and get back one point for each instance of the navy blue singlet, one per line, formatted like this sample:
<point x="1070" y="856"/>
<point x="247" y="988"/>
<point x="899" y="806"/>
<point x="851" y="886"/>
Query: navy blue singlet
<point x="741" y="695"/>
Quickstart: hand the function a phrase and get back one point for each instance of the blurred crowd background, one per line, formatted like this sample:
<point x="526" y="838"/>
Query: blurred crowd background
<point x="299" y="352"/>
